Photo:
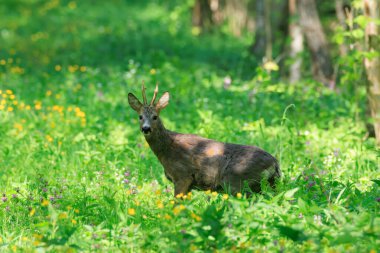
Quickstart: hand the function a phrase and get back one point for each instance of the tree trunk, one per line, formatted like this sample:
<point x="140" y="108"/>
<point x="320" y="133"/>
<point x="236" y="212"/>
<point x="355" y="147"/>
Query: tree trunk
<point x="372" y="65"/>
<point x="236" y="11"/>
<point x="202" y="15"/>
<point x="296" y="44"/>
<point x="259" y="47"/>
<point x="341" y="15"/>
<point x="323" y="70"/>
<point x="268" y="30"/>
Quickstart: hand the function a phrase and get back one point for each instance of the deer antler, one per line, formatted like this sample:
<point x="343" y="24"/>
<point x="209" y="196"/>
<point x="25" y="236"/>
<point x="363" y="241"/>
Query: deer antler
<point x="154" y="95"/>
<point x="143" y="93"/>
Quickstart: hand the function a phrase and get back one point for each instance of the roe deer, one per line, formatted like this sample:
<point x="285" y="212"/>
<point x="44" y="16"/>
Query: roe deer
<point x="191" y="161"/>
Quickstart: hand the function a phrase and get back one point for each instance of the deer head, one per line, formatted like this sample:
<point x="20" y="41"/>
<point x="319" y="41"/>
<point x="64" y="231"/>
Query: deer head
<point x="149" y="113"/>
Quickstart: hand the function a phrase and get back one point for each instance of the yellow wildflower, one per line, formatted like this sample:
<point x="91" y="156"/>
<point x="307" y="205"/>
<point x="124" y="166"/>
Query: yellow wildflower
<point x="74" y="222"/>
<point x="62" y="216"/>
<point x="14" y="248"/>
<point x="9" y="92"/>
<point x="38" y="236"/>
<point x="270" y="65"/>
<point x="49" y="138"/>
<point x="3" y="62"/>
<point x="196" y="217"/>
<point x="32" y="212"/>
<point x="12" y="96"/>
<point x="58" y="68"/>
<point x="45" y="202"/>
<point x="160" y="204"/>
<point x="48" y="93"/>
<point x="72" y="69"/>
<point x="180" y="195"/>
<point x="239" y="195"/>
<point x="38" y="106"/>
<point x="10" y="109"/>
<point x="214" y="194"/>
<point x="1" y="107"/>
<point x="131" y="211"/>
<point x="82" y="68"/>
<point x="76" y="210"/>
<point x="72" y="5"/>
<point x="176" y="210"/>
<point x="18" y="127"/>
<point x="152" y="71"/>
<point x="167" y="216"/>
<point x="225" y="196"/>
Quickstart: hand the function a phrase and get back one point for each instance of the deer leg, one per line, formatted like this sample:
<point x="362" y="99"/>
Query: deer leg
<point x="182" y="186"/>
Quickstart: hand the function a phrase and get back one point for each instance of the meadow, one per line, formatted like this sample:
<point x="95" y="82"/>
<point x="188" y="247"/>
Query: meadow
<point x="77" y="175"/>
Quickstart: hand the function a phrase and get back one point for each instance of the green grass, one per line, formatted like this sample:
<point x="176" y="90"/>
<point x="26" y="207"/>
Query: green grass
<point x="69" y="141"/>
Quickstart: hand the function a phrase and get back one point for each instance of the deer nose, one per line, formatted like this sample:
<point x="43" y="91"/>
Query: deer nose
<point x="146" y="129"/>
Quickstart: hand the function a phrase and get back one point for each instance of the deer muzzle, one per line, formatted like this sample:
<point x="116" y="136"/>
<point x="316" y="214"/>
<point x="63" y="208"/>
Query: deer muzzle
<point x="146" y="129"/>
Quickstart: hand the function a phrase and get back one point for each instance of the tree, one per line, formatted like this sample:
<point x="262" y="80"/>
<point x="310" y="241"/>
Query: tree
<point x="236" y="12"/>
<point x="372" y="63"/>
<point x="209" y="13"/>
<point x="323" y="70"/>
<point x="296" y="43"/>
<point x="202" y="14"/>
<point x="340" y="10"/>
<point x="263" y="44"/>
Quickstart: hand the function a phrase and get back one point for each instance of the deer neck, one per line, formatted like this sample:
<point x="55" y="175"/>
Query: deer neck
<point x="159" y="140"/>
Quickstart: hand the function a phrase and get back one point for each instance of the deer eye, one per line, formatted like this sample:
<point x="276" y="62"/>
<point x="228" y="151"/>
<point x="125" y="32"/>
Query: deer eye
<point x="154" y="117"/>
<point x="140" y="117"/>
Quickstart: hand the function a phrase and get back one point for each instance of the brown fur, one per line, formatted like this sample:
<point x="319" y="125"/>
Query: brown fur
<point x="191" y="161"/>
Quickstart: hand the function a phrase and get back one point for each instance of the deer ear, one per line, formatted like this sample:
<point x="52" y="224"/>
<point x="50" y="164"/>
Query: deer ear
<point x="134" y="102"/>
<point x="163" y="101"/>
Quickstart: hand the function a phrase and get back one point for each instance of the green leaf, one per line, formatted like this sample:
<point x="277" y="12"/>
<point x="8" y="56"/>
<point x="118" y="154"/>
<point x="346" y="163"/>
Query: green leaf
<point x="293" y="234"/>
<point x="377" y="181"/>
<point x="362" y="21"/>
<point x="302" y="205"/>
<point x="358" y="33"/>
<point x="289" y="194"/>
